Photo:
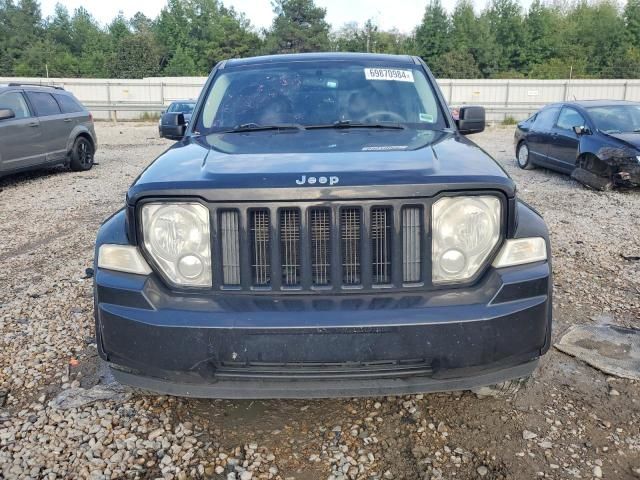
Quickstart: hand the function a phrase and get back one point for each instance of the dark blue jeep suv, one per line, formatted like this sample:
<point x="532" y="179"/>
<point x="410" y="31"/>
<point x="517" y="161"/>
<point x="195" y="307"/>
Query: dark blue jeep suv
<point x="322" y="228"/>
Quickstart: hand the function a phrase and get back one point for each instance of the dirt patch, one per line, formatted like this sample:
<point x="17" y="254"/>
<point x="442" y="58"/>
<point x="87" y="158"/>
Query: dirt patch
<point x="48" y="223"/>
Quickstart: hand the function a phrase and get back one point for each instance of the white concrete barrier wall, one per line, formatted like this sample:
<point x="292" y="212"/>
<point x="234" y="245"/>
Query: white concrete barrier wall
<point x="121" y="99"/>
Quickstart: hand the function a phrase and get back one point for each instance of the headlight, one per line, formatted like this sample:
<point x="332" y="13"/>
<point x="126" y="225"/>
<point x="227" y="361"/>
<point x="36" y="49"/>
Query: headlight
<point x="177" y="236"/>
<point x="465" y="231"/>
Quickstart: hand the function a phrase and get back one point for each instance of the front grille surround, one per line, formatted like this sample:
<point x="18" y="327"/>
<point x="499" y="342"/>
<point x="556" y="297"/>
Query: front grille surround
<point x="331" y="280"/>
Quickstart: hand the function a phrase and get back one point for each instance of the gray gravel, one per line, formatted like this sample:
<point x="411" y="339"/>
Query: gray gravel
<point x="565" y="424"/>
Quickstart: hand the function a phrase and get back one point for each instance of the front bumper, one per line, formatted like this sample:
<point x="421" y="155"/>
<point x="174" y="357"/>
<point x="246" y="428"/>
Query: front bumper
<point x="288" y="345"/>
<point x="297" y="346"/>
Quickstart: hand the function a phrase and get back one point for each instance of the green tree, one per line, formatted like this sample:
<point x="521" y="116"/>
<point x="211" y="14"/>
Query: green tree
<point x="90" y="43"/>
<point x="299" y="26"/>
<point x="543" y="34"/>
<point x="432" y="39"/>
<point x="632" y="21"/>
<point x="605" y="42"/>
<point x="506" y="23"/>
<point x="473" y="34"/>
<point x="206" y="32"/>
<point x="21" y="26"/>
<point x="135" y="56"/>
<point x="458" y="63"/>
<point x="181" y="64"/>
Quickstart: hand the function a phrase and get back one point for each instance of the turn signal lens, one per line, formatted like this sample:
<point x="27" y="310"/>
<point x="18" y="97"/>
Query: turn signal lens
<point x="518" y="251"/>
<point x="122" y="258"/>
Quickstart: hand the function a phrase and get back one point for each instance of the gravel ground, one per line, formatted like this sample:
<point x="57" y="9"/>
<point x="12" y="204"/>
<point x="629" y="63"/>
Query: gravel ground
<point x="571" y="421"/>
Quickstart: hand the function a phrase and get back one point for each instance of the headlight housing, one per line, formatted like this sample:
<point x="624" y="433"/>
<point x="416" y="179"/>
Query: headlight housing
<point x="465" y="230"/>
<point x="177" y="236"/>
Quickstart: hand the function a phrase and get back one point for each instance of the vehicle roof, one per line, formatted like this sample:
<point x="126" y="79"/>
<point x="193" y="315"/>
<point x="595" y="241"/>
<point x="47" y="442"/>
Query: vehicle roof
<point x="322" y="56"/>
<point x="28" y="86"/>
<point x="595" y="103"/>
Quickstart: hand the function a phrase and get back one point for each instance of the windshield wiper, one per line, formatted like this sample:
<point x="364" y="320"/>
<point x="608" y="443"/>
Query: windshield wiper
<point x="256" y="127"/>
<point x="351" y="124"/>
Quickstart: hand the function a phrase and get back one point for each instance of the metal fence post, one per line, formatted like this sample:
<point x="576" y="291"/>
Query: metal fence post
<point x="506" y="101"/>
<point x="108" y="85"/>
<point x="626" y="87"/>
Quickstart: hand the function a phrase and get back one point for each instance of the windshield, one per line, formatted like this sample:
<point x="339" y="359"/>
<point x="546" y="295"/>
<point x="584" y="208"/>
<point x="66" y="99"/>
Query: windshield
<point x="616" y="118"/>
<point x="182" y="107"/>
<point x="318" y="94"/>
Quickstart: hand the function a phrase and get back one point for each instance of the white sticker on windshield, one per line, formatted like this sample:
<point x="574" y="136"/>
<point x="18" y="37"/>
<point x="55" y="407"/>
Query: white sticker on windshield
<point x="388" y="74"/>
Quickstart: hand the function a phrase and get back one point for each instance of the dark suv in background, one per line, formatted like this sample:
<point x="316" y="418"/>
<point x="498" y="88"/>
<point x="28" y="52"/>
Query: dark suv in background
<point x="44" y="126"/>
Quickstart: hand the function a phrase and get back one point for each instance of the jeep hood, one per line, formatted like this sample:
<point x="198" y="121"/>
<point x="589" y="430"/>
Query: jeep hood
<point x="367" y="164"/>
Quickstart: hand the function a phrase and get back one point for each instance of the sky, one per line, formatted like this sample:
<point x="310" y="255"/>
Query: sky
<point x="401" y="14"/>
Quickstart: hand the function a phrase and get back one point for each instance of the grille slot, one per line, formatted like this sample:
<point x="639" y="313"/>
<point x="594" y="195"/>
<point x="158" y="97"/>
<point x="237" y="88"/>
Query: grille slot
<point x="290" y="246"/>
<point x="381" y="245"/>
<point x="230" y="243"/>
<point x="260" y="248"/>
<point x="321" y="246"/>
<point x="411" y="244"/>
<point x="350" y="223"/>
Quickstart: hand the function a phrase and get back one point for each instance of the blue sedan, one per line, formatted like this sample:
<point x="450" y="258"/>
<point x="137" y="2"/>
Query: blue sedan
<point x="596" y="142"/>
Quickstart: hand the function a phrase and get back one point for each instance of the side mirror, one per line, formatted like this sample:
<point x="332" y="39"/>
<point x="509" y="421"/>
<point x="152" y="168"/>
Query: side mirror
<point x="581" y="130"/>
<point x="172" y="126"/>
<point x="7" y="113"/>
<point x="471" y="119"/>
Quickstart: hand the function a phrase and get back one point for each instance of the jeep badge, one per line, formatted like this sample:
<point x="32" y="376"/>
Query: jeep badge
<point x="313" y="180"/>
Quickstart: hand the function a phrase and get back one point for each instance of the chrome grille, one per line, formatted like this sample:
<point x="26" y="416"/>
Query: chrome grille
<point x="411" y="244"/>
<point x="320" y="246"/>
<point x="260" y="247"/>
<point x="230" y="245"/>
<point x="290" y="246"/>
<point x="381" y="245"/>
<point x="350" y="223"/>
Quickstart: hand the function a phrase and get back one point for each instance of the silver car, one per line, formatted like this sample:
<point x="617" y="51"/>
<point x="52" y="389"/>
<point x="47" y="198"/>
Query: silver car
<point x="44" y="126"/>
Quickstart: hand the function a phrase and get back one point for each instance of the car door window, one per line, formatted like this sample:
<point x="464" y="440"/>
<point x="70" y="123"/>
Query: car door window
<point x="68" y="104"/>
<point x="44" y="104"/>
<point x="16" y="102"/>
<point x="546" y="118"/>
<point x="569" y="118"/>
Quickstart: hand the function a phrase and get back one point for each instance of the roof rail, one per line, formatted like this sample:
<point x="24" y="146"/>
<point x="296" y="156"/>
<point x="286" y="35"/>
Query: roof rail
<point x="20" y="84"/>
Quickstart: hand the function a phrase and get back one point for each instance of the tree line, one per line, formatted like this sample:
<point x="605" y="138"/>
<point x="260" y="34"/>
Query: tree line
<point x="556" y="39"/>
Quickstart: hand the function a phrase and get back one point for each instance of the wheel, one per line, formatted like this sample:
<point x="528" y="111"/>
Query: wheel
<point x="81" y="155"/>
<point x="507" y="388"/>
<point x="522" y="157"/>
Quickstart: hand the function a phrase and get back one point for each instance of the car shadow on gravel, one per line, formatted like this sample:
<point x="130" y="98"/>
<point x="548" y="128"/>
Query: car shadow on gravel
<point x="22" y="177"/>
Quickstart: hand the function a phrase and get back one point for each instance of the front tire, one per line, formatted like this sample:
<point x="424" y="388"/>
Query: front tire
<point x="81" y="155"/>
<point x="523" y="157"/>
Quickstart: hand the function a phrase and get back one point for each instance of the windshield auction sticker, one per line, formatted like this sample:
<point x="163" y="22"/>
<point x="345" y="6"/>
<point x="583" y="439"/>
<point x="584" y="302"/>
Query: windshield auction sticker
<point x="388" y="74"/>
